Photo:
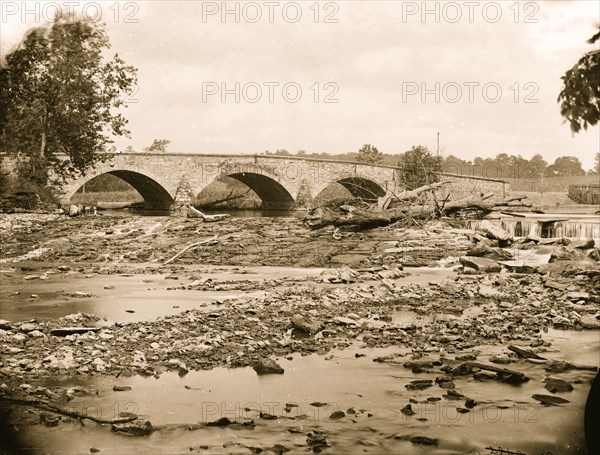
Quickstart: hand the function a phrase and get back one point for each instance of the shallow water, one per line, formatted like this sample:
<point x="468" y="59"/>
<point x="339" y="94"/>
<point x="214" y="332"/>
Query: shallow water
<point x="506" y="415"/>
<point x="144" y="296"/>
<point x="130" y="298"/>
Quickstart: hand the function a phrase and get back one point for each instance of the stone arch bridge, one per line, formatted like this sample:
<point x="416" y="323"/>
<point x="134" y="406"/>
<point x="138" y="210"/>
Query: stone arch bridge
<point x="166" y="180"/>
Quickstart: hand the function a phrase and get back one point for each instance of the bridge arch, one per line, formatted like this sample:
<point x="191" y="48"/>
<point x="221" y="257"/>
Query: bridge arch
<point x="362" y="187"/>
<point x="276" y="192"/>
<point x="359" y="186"/>
<point x="273" y="194"/>
<point x="155" y="196"/>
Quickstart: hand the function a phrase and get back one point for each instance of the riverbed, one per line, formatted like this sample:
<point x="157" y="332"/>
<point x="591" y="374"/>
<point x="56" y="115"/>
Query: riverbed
<point x="376" y="320"/>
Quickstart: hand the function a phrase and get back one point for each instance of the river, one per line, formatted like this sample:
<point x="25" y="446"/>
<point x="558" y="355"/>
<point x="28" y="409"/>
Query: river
<point x="505" y="416"/>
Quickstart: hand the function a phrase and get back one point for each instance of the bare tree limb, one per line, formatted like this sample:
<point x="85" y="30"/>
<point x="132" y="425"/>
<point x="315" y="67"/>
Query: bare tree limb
<point x="189" y="247"/>
<point x="46" y="406"/>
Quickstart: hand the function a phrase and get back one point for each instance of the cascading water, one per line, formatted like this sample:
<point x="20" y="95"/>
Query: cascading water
<point x="577" y="229"/>
<point x="558" y="227"/>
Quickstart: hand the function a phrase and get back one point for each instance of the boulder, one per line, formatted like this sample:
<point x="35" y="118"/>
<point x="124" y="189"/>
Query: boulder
<point x="74" y="210"/>
<point x="340" y="320"/>
<point x="575" y="296"/>
<point x="487" y="291"/>
<point x="549" y="400"/>
<point x="494" y="232"/>
<point x="306" y="323"/>
<point x="558" y="366"/>
<point x="136" y="427"/>
<point x="589" y="322"/>
<point x="480" y="264"/>
<point x="582" y="244"/>
<point x="486" y="251"/>
<point x="424" y="440"/>
<point x="556" y="385"/>
<point x="5" y="325"/>
<point x="267" y="366"/>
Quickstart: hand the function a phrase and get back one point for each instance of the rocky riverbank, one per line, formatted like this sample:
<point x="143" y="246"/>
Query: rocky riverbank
<point x="498" y="292"/>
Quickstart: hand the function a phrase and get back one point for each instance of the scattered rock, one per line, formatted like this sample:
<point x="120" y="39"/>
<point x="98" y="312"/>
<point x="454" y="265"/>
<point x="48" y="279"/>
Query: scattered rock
<point x="121" y="388"/>
<point x="556" y="385"/>
<point x="137" y="427"/>
<point x="582" y="244"/>
<point x="337" y="415"/>
<point x="419" y="384"/>
<point x="488" y="291"/>
<point x="502" y="359"/>
<point x="316" y="440"/>
<point x="408" y="410"/>
<point x="494" y="232"/>
<point x="481" y="264"/>
<point x="558" y="366"/>
<point x="424" y="440"/>
<point x="549" y="400"/>
<point x="267" y="366"/>
<point x="306" y="323"/>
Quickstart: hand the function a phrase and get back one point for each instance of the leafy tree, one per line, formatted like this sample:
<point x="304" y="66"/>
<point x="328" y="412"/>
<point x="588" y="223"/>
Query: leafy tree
<point x="538" y="164"/>
<point x="158" y="146"/>
<point x="565" y="166"/>
<point x="58" y="90"/>
<point x="419" y="167"/>
<point x="369" y="154"/>
<point x="580" y="96"/>
<point x="596" y="169"/>
<point x="129" y="149"/>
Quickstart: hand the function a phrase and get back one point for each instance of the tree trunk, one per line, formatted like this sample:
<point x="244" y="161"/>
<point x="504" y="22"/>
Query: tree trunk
<point x="44" y="134"/>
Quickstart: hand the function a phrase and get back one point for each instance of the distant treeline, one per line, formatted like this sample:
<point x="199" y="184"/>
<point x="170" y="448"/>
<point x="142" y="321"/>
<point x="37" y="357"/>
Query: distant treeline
<point x="502" y="166"/>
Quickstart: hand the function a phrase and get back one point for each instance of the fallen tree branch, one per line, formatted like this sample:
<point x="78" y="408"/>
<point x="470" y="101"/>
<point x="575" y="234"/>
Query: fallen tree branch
<point x="195" y="213"/>
<point x="356" y="219"/>
<point x="231" y="197"/>
<point x="483" y="366"/>
<point x="46" y="406"/>
<point x="193" y="245"/>
<point x="411" y="194"/>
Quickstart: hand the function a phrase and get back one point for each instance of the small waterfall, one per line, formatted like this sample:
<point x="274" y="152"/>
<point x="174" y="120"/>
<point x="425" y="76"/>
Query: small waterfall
<point x="588" y="228"/>
<point x="577" y="229"/>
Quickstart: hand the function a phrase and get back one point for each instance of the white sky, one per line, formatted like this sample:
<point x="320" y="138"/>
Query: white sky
<point x="373" y="56"/>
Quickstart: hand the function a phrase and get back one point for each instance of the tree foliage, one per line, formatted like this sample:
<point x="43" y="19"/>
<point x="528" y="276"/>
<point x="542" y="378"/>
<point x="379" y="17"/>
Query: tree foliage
<point x="369" y="154"/>
<point x="158" y="146"/>
<point x="418" y="167"/>
<point x="58" y="93"/>
<point x="565" y="166"/>
<point x="580" y="96"/>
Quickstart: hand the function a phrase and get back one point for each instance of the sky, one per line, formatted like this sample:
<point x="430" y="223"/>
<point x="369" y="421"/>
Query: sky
<point x="245" y="77"/>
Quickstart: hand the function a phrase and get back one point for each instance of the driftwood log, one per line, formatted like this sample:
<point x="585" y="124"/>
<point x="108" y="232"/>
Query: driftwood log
<point x="195" y="213"/>
<point x="411" y="194"/>
<point x="47" y="406"/>
<point x="358" y="219"/>
<point x="210" y="241"/>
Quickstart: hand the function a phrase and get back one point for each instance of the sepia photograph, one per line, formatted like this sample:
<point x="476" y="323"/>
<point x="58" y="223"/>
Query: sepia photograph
<point x="340" y="227"/>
